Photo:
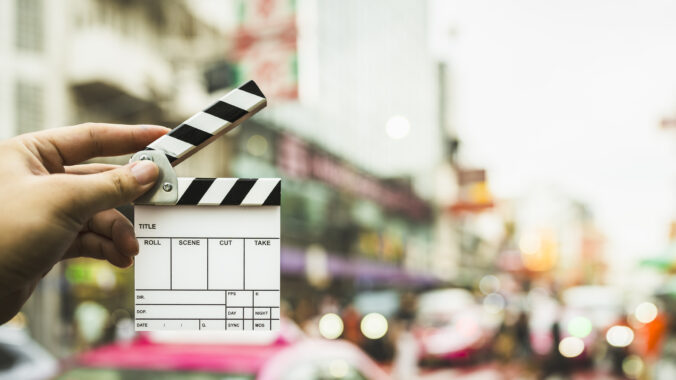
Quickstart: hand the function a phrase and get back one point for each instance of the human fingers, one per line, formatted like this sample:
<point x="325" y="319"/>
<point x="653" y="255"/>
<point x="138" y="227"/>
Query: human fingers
<point x="89" y="168"/>
<point x="90" y="244"/>
<point x="116" y="227"/>
<point x="72" y="145"/>
<point x="12" y="301"/>
<point x="81" y="196"/>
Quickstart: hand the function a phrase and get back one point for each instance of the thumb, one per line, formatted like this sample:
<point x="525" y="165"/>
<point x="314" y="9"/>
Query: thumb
<point x="92" y="193"/>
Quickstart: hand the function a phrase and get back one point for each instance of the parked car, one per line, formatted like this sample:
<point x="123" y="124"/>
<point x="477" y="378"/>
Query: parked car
<point x="220" y="356"/>
<point x="23" y="358"/>
<point x="586" y="313"/>
<point x="450" y="325"/>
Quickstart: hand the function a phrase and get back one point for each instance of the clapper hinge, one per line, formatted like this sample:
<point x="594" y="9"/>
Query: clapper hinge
<point x="165" y="191"/>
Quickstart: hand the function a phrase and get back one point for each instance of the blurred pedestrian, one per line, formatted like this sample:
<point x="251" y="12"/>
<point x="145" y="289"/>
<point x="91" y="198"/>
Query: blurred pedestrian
<point x="53" y="208"/>
<point x="555" y="363"/>
<point x="352" y="321"/>
<point x="522" y="335"/>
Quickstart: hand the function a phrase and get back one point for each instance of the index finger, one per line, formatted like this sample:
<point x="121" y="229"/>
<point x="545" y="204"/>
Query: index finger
<point x="81" y="142"/>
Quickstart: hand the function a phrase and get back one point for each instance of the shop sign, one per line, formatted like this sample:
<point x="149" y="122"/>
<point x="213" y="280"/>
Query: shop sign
<point x="265" y="46"/>
<point x="296" y="159"/>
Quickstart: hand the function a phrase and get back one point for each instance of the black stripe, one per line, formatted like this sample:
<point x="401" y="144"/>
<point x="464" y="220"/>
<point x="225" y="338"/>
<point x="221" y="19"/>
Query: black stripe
<point x="226" y="111"/>
<point x="195" y="191"/>
<point x="252" y="88"/>
<point x="239" y="190"/>
<point x="189" y="134"/>
<point x="275" y="197"/>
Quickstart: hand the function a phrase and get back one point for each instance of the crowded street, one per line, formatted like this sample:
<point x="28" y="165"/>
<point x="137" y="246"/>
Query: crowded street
<point x="337" y="190"/>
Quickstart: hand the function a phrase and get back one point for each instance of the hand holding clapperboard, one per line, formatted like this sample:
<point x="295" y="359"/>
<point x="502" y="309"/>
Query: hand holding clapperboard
<point x="208" y="247"/>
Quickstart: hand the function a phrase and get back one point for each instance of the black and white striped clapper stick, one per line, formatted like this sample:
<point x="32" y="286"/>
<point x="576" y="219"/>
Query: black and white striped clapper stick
<point x="229" y="191"/>
<point x="217" y="119"/>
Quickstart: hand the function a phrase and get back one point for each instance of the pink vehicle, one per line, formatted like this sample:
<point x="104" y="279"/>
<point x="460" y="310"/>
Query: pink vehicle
<point x="451" y="326"/>
<point x="214" y="356"/>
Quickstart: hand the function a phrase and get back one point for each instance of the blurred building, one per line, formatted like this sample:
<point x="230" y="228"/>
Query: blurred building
<point x="344" y="229"/>
<point x="352" y="216"/>
<point x="67" y="62"/>
<point x="359" y="65"/>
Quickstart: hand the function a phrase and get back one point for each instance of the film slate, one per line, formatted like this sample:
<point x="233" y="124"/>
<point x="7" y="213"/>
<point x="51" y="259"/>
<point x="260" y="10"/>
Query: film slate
<point x="210" y="256"/>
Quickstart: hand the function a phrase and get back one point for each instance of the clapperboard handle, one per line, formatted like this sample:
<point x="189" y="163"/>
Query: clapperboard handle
<point x="205" y="126"/>
<point x="194" y="134"/>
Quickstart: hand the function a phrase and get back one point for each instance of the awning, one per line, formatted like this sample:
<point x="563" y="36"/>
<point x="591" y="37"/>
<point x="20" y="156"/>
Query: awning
<point x="359" y="269"/>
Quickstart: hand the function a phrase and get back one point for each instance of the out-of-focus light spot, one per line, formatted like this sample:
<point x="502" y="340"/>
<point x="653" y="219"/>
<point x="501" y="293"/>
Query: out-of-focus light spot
<point x="539" y="252"/>
<point x="374" y="325"/>
<point x="105" y="278"/>
<point x="489" y="284"/>
<point x="646" y="312"/>
<point x="76" y="273"/>
<point x="397" y="127"/>
<point x="632" y="366"/>
<point x="257" y="145"/>
<point x="494" y="303"/>
<point x="529" y="244"/>
<point x="124" y="330"/>
<point x="91" y="320"/>
<point x="330" y="326"/>
<point x="571" y="347"/>
<point x="620" y="336"/>
<point x="317" y="266"/>
<point x="579" y="327"/>
<point x="338" y="369"/>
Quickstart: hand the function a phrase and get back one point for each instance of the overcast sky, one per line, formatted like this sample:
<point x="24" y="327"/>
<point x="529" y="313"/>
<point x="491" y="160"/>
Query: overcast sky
<point x="569" y="93"/>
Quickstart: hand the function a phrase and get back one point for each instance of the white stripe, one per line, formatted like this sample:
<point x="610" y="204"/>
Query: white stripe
<point x="217" y="191"/>
<point x="183" y="183"/>
<point x="260" y="191"/>
<point x="206" y="122"/>
<point x="242" y="99"/>
<point x="173" y="146"/>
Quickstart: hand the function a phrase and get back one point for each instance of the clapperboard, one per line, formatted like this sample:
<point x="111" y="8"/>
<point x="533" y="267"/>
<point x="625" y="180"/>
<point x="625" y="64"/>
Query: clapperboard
<point x="209" y="247"/>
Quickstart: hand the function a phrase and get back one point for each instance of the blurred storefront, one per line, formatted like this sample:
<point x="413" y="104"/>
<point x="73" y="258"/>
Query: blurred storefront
<point x="68" y="62"/>
<point x="346" y="229"/>
<point x="343" y="228"/>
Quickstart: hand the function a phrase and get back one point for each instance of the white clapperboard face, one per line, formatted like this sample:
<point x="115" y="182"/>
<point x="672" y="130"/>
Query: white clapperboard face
<point x="210" y="262"/>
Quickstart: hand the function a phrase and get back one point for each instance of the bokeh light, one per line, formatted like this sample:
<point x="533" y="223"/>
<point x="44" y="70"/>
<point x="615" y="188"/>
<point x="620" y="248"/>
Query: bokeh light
<point x="397" y="127"/>
<point x="338" y="368"/>
<point x="579" y="327"/>
<point x="529" y="243"/>
<point x="571" y="347"/>
<point x="620" y="336"/>
<point x="632" y="366"/>
<point x="489" y="284"/>
<point x="539" y="252"/>
<point x="374" y="326"/>
<point x="494" y="303"/>
<point x="331" y="326"/>
<point x="257" y="145"/>
<point x="105" y="278"/>
<point x="646" y="312"/>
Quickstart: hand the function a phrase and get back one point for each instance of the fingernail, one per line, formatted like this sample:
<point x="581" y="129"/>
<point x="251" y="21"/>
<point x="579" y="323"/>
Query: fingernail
<point x="131" y="238"/>
<point x="135" y="247"/>
<point x="150" y="127"/>
<point x="144" y="172"/>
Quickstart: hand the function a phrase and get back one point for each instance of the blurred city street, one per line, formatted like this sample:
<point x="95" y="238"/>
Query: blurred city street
<point x="470" y="189"/>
